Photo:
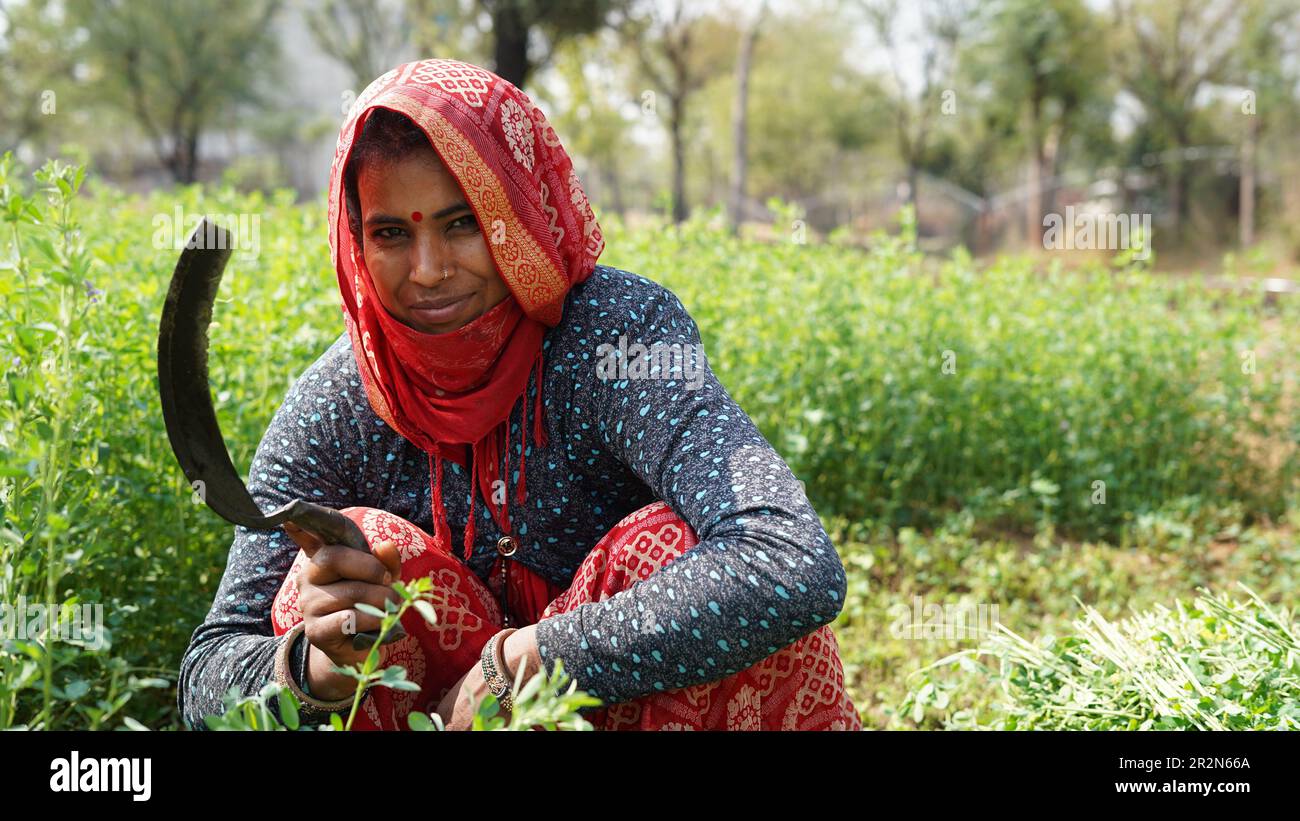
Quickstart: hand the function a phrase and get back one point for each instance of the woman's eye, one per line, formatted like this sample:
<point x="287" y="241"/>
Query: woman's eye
<point x="464" y="222"/>
<point x="380" y="234"/>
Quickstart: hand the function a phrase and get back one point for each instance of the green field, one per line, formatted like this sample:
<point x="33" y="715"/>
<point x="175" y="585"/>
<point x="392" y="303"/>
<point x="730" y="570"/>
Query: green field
<point x="1011" y="434"/>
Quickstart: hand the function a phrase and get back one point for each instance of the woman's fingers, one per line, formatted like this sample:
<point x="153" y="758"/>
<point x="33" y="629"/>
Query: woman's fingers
<point x="320" y="599"/>
<point x="386" y="553"/>
<point x="331" y="585"/>
<point x="333" y="633"/>
<point x="308" y="541"/>
<point x="333" y="562"/>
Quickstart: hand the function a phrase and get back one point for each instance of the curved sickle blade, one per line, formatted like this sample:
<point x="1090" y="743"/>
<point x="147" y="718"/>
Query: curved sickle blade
<point x="183" y="377"/>
<point x="187" y="406"/>
<point x="191" y="419"/>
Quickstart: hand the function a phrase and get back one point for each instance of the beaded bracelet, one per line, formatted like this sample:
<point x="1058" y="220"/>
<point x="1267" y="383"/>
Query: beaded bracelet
<point x="497" y="683"/>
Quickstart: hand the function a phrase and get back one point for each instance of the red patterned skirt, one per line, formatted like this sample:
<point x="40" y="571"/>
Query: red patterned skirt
<point x="800" y="687"/>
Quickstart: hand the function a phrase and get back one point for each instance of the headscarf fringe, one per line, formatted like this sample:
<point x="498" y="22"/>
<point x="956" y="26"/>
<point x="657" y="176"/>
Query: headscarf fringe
<point x="490" y="449"/>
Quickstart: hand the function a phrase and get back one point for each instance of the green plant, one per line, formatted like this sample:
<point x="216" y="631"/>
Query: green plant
<point x="1212" y="664"/>
<point x="905" y="388"/>
<point x="1034" y="582"/>
<point x="93" y="508"/>
<point x="417" y="594"/>
<point x="47" y="436"/>
<point x="542" y="702"/>
<point x="254" y="713"/>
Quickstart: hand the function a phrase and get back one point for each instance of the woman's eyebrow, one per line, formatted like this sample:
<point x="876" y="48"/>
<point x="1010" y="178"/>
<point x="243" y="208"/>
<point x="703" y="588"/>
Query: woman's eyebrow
<point x="386" y="219"/>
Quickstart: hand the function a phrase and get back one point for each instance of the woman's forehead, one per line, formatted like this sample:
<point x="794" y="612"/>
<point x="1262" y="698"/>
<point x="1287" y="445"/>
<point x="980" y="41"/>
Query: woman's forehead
<point x="418" y="174"/>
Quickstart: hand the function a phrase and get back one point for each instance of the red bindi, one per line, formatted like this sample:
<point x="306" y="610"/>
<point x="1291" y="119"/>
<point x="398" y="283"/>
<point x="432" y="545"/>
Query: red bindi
<point x="416" y="216"/>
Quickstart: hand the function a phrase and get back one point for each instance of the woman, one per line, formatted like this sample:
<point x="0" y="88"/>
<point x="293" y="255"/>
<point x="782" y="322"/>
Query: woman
<point x="639" y="529"/>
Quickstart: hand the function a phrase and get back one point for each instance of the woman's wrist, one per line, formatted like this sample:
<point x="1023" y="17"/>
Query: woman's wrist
<point x="520" y="649"/>
<point x="322" y="681"/>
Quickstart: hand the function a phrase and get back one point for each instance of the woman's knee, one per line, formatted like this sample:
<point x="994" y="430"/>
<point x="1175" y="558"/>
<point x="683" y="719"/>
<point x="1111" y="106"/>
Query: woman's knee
<point x="379" y="525"/>
<point x="650" y="538"/>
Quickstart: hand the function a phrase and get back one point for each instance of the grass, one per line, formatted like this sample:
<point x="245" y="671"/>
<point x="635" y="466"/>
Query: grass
<point x="1216" y="663"/>
<point x="1040" y="586"/>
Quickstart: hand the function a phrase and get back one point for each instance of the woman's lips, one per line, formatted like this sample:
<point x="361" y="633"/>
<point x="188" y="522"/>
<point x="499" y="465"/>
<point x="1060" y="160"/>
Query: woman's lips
<point x="437" y="316"/>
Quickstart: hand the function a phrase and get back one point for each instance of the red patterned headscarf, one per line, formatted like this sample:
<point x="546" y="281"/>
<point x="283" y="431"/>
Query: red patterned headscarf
<point x="451" y="394"/>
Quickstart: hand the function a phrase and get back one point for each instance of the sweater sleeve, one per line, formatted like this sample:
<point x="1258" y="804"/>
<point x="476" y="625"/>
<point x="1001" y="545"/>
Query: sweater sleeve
<point x="764" y="573"/>
<point x="235" y="645"/>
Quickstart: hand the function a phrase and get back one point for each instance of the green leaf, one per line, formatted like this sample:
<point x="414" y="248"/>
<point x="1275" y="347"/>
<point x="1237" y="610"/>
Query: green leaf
<point x="288" y="704"/>
<point x="76" y="689"/>
<point x="395" y="677"/>
<point x="426" y="610"/>
<point x="419" y="722"/>
<point x="153" y="682"/>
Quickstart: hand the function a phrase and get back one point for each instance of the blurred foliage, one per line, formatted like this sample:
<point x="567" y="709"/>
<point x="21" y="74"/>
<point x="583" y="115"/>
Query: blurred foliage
<point x="1150" y="106"/>
<point x="901" y="389"/>
<point x="93" y="506"/>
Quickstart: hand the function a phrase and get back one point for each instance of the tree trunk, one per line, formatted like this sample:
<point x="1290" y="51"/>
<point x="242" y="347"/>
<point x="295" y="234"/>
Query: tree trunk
<point x="510" y="44"/>
<point x="615" y="184"/>
<point x="740" y="120"/>
<point x="191" y="156"/>
<point x="1175" y="193"/>
<point x="982" y="229"/>
<point x="1178" y="179"/>
<point x="679" y="161"/>
<point x="1051" y="166"/>
<point x="1247" y="225"/>
<point x="914" y="192"/>
<point x="1034" y="200"/>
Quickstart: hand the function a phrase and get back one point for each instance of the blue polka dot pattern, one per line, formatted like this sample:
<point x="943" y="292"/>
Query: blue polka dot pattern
<point x="764" y="573"/>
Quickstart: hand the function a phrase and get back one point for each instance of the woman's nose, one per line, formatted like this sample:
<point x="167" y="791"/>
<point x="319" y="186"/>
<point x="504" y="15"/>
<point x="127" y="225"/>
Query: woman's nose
<point x="430" y="255"/>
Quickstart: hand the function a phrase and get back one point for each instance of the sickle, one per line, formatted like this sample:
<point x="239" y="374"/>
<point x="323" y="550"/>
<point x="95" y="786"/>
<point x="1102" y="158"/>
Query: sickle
<point x="191" y="419"/>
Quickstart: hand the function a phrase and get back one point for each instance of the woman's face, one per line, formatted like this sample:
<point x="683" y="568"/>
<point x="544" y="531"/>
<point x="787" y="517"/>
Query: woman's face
<point x="416" y="222"/>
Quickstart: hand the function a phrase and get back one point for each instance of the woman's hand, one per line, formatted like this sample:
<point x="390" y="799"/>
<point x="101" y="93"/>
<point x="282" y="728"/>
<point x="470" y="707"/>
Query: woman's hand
<point x="458" y="707"/>
<point x="329" y="587"/>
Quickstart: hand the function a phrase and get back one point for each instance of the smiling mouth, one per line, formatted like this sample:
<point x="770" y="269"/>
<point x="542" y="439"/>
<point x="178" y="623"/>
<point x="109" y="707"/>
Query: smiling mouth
<point x="434" y="304"/>
<point x="438" y="312"/>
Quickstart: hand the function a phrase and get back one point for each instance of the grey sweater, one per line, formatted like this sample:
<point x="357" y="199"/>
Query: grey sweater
<point x="764" y="573"/>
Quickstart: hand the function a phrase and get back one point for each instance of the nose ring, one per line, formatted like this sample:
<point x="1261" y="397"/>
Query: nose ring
<point x="444" y="272"/>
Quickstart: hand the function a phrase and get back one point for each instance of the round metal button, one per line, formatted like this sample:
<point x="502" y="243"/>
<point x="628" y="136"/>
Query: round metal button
<point x="506" y="546"/>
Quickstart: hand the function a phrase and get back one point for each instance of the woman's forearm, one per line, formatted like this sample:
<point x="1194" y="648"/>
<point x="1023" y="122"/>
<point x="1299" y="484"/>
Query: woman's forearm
<point x="222" y="656"/>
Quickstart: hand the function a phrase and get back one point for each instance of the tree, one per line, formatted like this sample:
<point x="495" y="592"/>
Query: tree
<point x="914" y="106"/>
<point x="176" y="67"/>
<point x="438" y="28"/>
<point x="364" y="35"/>
<point x="740" y="118"/>
<point x="37" y="60"/>
<point x="1047" y="68"/>
<point x="1269" y="28"/>
<point x="1171" y="50"/>
<point x="589" y="122"/>
<point x="514" y="23"/>
<point x="666" y="46"/>
<point x="809" y="140"/>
